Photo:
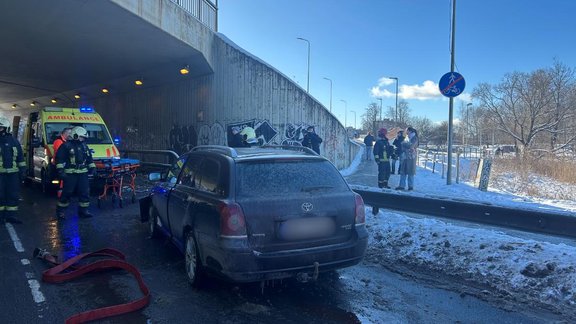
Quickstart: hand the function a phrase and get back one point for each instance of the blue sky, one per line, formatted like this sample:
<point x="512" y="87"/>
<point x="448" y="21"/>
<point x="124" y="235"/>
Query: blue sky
<point x="359" y="43"/>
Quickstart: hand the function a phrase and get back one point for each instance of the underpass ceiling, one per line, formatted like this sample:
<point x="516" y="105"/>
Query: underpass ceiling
<point x="59" y="47"/>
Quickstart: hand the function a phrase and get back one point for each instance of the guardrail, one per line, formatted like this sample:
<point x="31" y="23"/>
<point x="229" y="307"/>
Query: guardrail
<point x="206" y="11"/>
<point x="522" y="219"/>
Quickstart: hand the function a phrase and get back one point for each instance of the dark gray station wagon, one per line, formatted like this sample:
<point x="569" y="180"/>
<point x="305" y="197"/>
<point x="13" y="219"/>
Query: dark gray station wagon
<point x="260" y="213"/>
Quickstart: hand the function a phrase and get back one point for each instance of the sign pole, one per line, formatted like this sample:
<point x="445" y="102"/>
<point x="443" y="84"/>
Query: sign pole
<point x="451" y="109"/>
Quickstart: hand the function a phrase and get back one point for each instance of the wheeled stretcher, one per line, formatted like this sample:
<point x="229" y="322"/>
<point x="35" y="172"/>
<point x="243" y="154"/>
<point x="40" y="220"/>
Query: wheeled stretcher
<point x="116" y="174"/>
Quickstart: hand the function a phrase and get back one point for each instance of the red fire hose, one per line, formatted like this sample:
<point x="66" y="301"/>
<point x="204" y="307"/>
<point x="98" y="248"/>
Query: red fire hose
<point x="109" y="259"/>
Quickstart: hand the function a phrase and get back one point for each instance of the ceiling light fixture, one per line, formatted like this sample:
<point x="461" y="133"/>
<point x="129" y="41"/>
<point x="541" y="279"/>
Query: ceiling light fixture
<point x="138" y="82"/>
<point x="77" y="96"/>
<point x="14" y="106"/>
<point x="54" y="100"/>
<point x="185" y="70"/>
<point x="33" y="103"/>
<point x="105" y="90"/>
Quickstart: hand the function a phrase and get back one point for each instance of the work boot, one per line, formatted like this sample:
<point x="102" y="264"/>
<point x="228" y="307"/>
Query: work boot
<point x="84" y="213"/>
<point x="400" y="188"/>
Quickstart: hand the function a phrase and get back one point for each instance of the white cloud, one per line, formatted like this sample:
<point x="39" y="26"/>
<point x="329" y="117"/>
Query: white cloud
<point x="426" y="91"/>
<point x="465" y="97"/>
<point x="384" y="81"/>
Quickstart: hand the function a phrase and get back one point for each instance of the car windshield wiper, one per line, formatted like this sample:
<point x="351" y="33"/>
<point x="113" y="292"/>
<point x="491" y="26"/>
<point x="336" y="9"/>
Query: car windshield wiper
<point x="315" y="188"/>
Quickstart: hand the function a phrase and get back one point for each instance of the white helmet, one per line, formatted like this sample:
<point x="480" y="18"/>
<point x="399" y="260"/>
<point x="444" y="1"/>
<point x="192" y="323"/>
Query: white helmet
<point x="78" y="131"/>
<point x="4" y="122"/>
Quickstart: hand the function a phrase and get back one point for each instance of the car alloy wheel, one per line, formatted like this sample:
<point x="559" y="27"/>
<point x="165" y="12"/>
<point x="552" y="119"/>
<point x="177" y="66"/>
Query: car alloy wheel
<point x="191" y="259"/>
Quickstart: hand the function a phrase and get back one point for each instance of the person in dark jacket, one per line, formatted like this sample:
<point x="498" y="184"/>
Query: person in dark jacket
<point x="397" y="145"/>
<point x="12" y="171"/>
<point x="369" y="142"/>
<point x="312" y="140"/>
<point x="236" y="140"/>
<point x="175" y="139"/>
<point x="73" y="163"/>
<point x="382" y="153"/>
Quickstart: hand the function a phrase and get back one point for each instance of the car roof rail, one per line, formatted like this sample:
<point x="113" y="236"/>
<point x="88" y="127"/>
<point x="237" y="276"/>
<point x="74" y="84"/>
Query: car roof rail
<point x="226" y="150"/>
<point x="291" y="147"/>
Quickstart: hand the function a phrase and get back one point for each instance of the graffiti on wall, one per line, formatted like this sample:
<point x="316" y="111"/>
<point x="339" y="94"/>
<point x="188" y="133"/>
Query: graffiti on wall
<point x="212" y="135"/>
<point x="265" y="132"/>
<point x="294" y="133"/>
<point x="182" y="138"/>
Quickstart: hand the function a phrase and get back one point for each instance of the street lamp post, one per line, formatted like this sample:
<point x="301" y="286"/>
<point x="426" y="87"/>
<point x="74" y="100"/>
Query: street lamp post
<point x="330" y="93"/>
<point x="308" y="79"/>
<point x="352" y="111"/>
<point x="345" y="113"/>
<point x="396" y="116"/>
<point x="468" y="105"/>
<point x="380" y="108"/>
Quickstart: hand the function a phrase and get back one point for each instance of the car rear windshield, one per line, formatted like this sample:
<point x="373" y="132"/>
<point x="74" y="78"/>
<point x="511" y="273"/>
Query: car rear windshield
<point x="273" y="178"/>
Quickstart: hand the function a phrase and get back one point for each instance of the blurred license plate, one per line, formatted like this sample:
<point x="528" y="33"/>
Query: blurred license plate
<point x="306" y="228"/>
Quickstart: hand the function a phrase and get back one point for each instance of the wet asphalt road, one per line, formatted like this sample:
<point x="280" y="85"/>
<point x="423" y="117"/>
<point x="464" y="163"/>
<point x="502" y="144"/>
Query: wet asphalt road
<point x="335" y="298"/>
<point x="161" y="265"/>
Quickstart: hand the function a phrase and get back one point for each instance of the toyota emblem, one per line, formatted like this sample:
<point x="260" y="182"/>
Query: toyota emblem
<point x="307" y="207"/>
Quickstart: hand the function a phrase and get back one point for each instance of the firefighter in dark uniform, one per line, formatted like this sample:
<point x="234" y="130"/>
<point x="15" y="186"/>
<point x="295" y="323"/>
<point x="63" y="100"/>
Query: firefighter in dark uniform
<point x="73" y="163"/>
<point x="12" y="171"/>
<point x="382" y="153"/>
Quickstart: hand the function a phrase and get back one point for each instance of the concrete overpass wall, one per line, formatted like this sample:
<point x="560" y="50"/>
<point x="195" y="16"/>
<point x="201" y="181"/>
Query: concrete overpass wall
<point x="241" y="91"/>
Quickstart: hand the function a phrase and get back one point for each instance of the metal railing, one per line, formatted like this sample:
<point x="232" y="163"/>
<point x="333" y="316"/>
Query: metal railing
<point x="206" y="11"/>
<point x="169" y="157"/>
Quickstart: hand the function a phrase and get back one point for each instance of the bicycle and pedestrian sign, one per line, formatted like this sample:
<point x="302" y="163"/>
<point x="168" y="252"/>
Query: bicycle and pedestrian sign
<point x="452" y="84"/>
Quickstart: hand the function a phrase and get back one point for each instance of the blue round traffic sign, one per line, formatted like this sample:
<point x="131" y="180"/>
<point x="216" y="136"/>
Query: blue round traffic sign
<point x="452" y="84"/>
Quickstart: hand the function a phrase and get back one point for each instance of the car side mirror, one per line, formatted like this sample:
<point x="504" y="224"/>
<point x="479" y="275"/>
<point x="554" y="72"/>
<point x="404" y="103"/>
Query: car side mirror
<point x="155" y="176"/>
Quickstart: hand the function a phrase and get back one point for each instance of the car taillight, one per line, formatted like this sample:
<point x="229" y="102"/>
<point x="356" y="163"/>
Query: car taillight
<point x="360" y="218"/>
<point x="232" y="221"/>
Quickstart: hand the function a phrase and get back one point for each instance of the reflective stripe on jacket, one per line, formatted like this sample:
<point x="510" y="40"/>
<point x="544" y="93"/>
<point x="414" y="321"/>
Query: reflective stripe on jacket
<point x="74" y="157"/>
<point x="11" y="157"/>
<point x="382" y="150"/>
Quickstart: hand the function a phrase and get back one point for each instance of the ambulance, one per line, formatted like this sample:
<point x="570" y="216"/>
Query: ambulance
<point x="44" y="127"/>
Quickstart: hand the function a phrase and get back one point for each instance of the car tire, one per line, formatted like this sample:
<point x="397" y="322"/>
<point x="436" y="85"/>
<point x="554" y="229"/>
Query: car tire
<point x="153" y="229"/>
<point x="192" y="260"/>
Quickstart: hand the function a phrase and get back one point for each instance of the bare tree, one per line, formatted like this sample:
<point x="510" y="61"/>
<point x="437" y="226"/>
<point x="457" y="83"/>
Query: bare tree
<point x="519" y="105"/>
<point x="403" y="113"/>
<point x="439" y="133"/>
<point x="424" y="126"/>
<point x="564" y="103"/>
<point x="370" y="117"/>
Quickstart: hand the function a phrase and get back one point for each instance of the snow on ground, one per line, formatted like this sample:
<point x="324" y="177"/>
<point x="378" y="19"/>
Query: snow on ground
<point x="528" y="270"/>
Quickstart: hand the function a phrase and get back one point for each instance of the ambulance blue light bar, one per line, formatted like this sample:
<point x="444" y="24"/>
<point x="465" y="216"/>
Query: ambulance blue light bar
<point x="86" y="109"/>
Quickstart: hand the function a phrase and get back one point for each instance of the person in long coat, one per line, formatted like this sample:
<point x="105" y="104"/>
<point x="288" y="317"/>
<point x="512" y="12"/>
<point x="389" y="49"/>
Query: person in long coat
<point x="408" y="157"/>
